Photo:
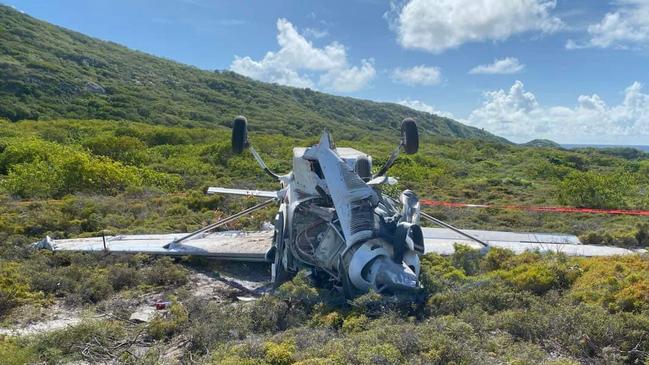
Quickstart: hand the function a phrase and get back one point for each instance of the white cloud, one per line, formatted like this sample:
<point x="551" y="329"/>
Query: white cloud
<point x="418" y="75"/>
<point x="437" y="25"/>
<point x="627" y="27"/>
<point x="266" y="71"/>
<point x="507" y="65"/>
<point x="315" y="33"/>
<point x="349" y="79"/>
<point x="517" y="115"/>
<point x="298" y="60"/>
<point x="423" y="107"/>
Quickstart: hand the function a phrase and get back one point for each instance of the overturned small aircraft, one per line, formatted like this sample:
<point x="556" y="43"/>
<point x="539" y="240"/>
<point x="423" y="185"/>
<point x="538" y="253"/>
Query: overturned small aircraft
<point x="334" y="220"/>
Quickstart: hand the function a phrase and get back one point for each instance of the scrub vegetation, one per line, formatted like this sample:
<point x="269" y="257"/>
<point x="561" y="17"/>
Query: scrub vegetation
<point x="70" y="178"/>
<point x="98" y="139"/>
<point x="47" y="72"/>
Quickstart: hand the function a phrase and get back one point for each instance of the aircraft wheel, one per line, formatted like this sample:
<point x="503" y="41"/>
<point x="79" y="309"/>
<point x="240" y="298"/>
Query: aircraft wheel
<point x="239" y="134"/>
<point x="348" y="288"/>
<point x="279" y="271"/>
<point x="364" y="169"/>
<point x="410" y="136"/>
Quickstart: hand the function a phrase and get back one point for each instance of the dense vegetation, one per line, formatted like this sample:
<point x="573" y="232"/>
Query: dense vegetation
<point x="495" y="309"/>
<point x="155" y="138"/>
<point x="47" y="72"/>
<point x="69" y="178"/>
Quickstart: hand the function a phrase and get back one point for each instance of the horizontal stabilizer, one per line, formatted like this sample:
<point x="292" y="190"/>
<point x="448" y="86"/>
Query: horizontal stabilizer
<point x="255" y="193"/>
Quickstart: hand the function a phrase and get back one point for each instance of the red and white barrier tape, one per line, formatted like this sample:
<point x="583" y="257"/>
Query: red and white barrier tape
<point x="437" y="203"/>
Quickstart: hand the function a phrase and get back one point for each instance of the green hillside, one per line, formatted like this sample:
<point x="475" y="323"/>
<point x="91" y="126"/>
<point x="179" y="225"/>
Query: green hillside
<point x="47" y="72"/>
<point x="116" y="142"/>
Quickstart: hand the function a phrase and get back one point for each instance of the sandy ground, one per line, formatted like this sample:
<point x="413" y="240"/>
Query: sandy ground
<point x="234" y="281"/>
<point x="52" y="318"/>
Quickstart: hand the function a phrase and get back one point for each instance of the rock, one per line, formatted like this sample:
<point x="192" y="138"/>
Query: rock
<point x="94" y="87"/>
<point x="142" y="314"/>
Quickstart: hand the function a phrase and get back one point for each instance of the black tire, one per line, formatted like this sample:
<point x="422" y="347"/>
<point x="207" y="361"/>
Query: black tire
<point x="410" y="136"/>
<point x="282" y="275"/>
<point x="239" y="134"/>
<point x="348" y="288"/>
<point x="364" y="169"/>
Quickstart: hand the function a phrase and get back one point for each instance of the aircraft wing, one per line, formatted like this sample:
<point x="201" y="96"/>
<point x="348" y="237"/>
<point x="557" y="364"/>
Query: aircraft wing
<point x="255" y="193"/>
<point x="252" y="246"/>
<point x="441" y="240"/>
<point x="229" y="245"/>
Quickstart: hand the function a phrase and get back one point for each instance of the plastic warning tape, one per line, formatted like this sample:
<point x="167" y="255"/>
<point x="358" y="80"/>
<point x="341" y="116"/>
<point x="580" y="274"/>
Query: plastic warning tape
<point x="437" y="203"/>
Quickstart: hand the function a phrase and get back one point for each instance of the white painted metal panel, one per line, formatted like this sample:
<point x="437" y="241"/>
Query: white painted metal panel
<point x="441" y="241"/>
<point x="231" y="245"/>
<point x="445" y="247"/>
<point x="252" y="246"/>
<point x="256" y="193"/>
<point x="443" y="233"/>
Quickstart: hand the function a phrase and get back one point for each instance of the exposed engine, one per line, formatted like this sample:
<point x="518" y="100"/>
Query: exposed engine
<point x="343" y="225"/>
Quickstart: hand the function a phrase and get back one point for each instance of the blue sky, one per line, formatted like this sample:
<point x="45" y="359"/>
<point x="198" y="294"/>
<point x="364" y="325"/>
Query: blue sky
<point x="571" y="71"/>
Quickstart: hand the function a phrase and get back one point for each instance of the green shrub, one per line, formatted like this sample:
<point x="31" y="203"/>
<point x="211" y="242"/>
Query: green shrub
<point x="496" y="259"/>
<point x="616" y="283"/>
<point x="332" y="320"/>
<point x="13" y="353"/>
<point x="167" y="324"/>
<point x="594" y="189"/>
<point x="279" y="353"/>
<point x="42" y="169"/>
<point x="95" y="288"/>
<point x="122" y="276"/>
<point x="490" y="296"/>
<point x="466" y="258"/>
<point x="542" y="276"/>
<point x="95" y="338"/>
<point x="379" y="354"/>
<point x="438" y="274"/>
<point x="126" y="149"/>
<point x="642" y="234"/>
<point x="355" y="323"/>
<point x="164" y="272"/>
<point x="15" y="288"/>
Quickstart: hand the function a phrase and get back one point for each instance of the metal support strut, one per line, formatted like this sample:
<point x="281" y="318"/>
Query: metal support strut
<point x="456" y="230"/>
<point x="434" y="220"/>
<point x="173" y="244"/>
<point x="390" y="161"/>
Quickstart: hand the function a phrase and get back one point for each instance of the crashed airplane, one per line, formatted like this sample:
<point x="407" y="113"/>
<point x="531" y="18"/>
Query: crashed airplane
<point x="335" y="220"/>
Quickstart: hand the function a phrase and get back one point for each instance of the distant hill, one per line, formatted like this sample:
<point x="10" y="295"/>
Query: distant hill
<point x="48" y="72"/>
<point x="541" y="143"/>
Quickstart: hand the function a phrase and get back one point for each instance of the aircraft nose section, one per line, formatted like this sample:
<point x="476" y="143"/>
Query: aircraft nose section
<point x="392" y="277"/>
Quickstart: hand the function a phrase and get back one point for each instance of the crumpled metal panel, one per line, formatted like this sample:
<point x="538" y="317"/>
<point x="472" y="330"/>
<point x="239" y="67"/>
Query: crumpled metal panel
<point x="350" y="195"/>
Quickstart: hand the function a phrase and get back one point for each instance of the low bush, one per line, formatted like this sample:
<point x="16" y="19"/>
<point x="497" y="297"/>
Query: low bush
<point x="167" y="324"/>
<point x="438" y="274"/>
<point x="593" y="189"/>
<point x="555" y="272"/>
<point x="616" y="283"/>
<point x="163" y="272"/>
<point x="90" y="340"/>
<point x="39" y="169"/>
<point x="15" y="288"/>
<point x="12" y="353"/>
